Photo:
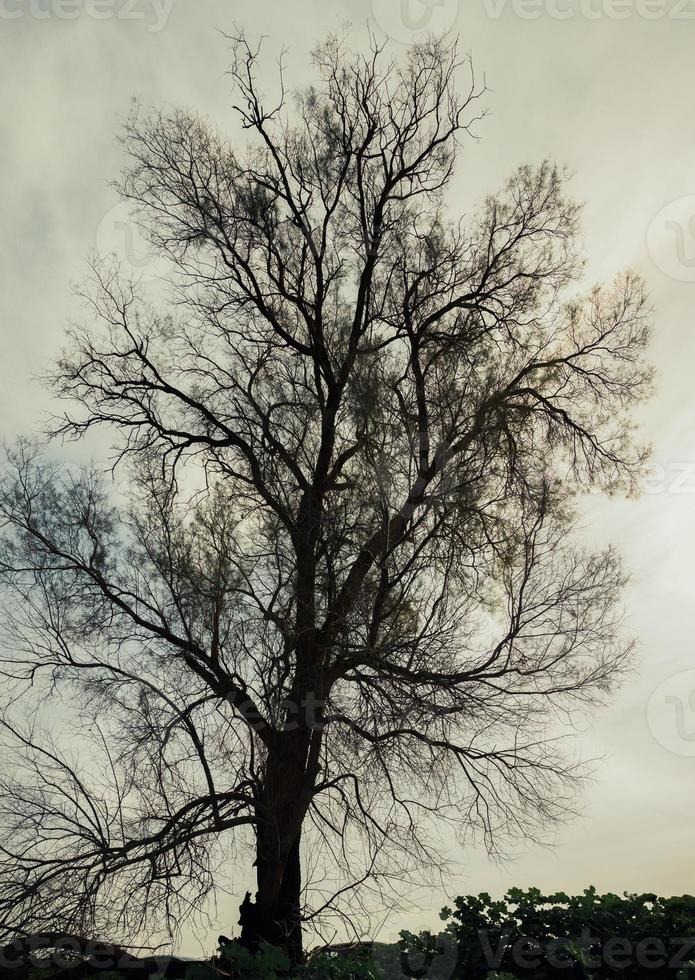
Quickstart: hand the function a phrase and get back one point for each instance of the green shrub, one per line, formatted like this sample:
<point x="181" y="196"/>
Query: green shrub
<point x="355" y="965"/>
<point x="271" y="963"/>
<point x="550" y="937"/>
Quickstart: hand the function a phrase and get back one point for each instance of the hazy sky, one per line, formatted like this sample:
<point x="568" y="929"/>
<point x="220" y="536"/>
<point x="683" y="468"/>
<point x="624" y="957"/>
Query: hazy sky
<point x="604" y="86"/>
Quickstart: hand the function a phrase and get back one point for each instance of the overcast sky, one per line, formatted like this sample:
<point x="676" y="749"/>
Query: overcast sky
<point x="604" y="86"/>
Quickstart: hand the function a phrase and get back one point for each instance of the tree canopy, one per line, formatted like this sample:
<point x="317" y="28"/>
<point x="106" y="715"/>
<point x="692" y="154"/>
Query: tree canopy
<point x="334" y="592"/>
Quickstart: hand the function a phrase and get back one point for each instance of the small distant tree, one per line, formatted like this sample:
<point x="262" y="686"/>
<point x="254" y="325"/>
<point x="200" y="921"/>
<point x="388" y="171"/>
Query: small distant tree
<point x="334" y="592"/>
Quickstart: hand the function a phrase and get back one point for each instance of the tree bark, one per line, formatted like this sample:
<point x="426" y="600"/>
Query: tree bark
<point x="275" y="917"/>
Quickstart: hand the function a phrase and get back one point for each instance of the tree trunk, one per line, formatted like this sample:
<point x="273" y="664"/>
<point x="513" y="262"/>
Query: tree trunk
<point x="274" y="917"/>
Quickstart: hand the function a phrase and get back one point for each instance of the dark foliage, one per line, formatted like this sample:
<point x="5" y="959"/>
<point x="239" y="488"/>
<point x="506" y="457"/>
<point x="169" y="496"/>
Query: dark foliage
<point x="547" y="937"/>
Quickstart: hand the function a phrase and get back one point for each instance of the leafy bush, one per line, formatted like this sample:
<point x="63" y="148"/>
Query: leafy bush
<point x="355" y="965"/>
<point x="548" y="937"/>
<point x="272" y="964"/>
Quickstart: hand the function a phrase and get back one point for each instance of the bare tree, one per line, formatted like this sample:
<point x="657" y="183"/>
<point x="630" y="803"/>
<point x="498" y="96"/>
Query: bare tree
<point x="334" y="591"/>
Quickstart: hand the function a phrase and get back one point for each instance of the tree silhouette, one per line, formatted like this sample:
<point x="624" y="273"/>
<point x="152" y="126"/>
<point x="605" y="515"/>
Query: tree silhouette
<point x="333" y="592"/>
